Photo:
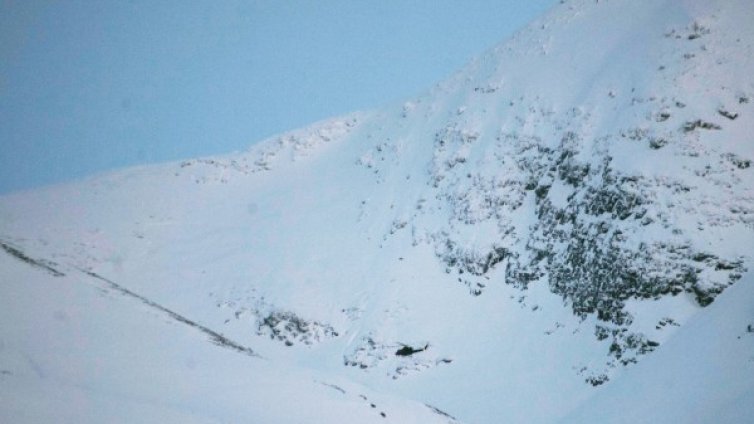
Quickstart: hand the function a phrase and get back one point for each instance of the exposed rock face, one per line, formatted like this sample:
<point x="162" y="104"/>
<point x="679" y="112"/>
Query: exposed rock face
<point x="536" y="222"/>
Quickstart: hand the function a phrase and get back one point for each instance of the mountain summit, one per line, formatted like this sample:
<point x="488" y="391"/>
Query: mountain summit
<point x="560" y="232"/>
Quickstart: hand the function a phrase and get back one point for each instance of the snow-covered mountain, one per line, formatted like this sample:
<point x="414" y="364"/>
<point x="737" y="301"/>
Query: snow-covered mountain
<point x="549" y="235"/>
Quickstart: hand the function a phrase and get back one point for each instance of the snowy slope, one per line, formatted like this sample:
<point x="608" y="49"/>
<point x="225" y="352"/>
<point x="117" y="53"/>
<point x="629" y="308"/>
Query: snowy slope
<point x="529" y="233"/>
<point x="702" y="375"/>
<point x="75" y="350"/>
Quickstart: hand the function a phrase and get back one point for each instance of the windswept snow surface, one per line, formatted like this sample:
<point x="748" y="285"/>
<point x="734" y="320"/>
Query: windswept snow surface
<point x="559" y="222"/>
<point x="75" y="351"/>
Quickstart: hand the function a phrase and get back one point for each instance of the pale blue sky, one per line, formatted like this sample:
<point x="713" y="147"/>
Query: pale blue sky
<point x="87" y="86"/>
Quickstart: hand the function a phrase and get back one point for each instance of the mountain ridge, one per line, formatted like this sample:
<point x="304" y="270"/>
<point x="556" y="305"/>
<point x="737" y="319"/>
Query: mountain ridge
<point x="539" y="222"/>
